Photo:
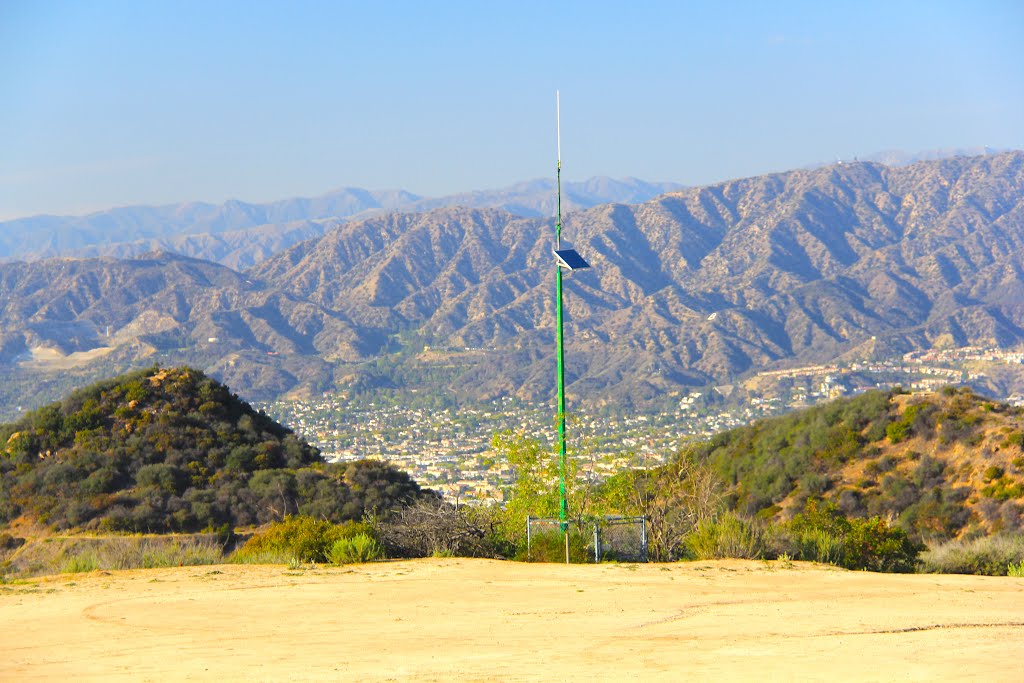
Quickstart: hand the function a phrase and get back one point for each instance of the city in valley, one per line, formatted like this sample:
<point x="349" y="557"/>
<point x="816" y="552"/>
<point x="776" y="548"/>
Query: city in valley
<point x="450" y="449"/>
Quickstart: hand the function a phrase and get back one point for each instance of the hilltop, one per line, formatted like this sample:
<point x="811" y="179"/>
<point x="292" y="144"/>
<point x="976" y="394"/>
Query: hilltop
<point x="173" y="450"/>
<point x="941" y="465"/>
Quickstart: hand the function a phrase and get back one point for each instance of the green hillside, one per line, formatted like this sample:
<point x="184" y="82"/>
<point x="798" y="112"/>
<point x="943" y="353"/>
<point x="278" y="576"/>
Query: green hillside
<point x="173" y="450"/>
<point x="940" y="465"/>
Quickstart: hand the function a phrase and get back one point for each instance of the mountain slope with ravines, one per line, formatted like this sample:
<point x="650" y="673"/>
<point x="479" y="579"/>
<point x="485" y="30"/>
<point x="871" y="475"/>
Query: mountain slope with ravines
<point x="702" y="285"/>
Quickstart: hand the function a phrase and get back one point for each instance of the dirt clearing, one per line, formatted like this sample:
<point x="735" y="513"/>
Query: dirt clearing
<point x="459" y="619"/>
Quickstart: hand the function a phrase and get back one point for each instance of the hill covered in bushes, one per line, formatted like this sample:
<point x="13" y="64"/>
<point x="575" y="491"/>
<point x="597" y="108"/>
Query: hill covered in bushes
<point x="941" y="465"/>
<point x="174" y="450"/>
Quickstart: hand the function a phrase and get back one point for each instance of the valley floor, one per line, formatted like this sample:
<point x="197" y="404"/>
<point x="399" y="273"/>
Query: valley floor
<point x="460" y="619"/>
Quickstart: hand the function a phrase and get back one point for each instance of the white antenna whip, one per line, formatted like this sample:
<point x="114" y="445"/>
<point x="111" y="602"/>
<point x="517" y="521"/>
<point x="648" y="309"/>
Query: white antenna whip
<point x="558" y="125"/>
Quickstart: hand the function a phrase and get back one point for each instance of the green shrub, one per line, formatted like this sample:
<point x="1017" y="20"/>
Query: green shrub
<point x="993" y="472"/>
<point x="897" y="431"/>
<point x="549" y="546"/>
<point x="822" y="534"/>
<point x="1003" y="488"/>
<point x="1015" y="570"/>
<point x="357" y="549"/>
<point x="80" y="563"/>
<point x="873" y="545"/>
<point x="813" y="545"/>
<point x="729" y="536"/>
<point x="296" y="537"/>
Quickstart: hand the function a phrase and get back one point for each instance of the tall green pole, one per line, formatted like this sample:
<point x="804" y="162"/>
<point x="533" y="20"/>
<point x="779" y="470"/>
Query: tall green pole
<point x="563" y="506"/>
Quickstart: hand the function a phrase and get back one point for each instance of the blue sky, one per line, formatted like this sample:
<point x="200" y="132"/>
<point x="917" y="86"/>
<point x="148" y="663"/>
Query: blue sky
<point x="117" y="103"/>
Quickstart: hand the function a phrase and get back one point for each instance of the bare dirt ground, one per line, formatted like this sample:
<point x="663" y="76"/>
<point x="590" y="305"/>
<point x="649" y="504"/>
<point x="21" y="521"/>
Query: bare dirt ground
<point x="458" y="619"/>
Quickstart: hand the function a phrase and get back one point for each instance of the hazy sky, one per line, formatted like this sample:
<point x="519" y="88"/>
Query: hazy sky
<point x="115" y="103"/>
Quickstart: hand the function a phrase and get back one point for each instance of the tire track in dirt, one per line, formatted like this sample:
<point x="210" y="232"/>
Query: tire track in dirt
<point x="928" y="627"/>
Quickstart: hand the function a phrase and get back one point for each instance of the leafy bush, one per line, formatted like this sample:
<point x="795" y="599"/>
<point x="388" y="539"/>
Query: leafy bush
<point x="300" y="538"/>
<point x="1015" y="570"/>
<point x="993" y="472"/>
<point x="1003" y="488"/>
<point x="989" y="555"/>
<point x="674" y="499"/>
<point x="729" y="536"/>
<point x="917" y="419"/>
<point x="822" y="534"/>
<point x="549" y="546"/>
<point x="812" y="544"/>
<point x="358" y="549"/>
<point x="898" y="431"/>
<point x="873" y="545"/>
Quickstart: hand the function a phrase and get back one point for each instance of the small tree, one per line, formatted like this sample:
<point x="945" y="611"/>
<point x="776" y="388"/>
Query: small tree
<point x="534" y="489"/>
<point x="674" y="498"/>
<point x="534" y="486"/>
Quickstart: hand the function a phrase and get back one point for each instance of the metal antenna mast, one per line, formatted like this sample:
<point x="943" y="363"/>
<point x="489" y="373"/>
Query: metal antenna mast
<point x="563" y="505"/>
<point x="569" y="260"/>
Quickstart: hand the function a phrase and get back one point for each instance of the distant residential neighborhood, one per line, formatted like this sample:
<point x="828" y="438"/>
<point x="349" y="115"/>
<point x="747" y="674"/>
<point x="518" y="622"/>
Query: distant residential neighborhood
<point x="450" y="449"/>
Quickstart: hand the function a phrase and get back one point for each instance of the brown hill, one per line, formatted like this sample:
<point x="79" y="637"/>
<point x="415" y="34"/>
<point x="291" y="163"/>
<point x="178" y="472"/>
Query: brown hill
<point x="942" y="465"/>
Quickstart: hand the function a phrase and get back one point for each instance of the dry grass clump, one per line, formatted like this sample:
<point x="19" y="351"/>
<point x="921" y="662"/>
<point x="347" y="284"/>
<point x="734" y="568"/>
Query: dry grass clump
<point x="147" y="553"/>
<point x="990" y="555"/>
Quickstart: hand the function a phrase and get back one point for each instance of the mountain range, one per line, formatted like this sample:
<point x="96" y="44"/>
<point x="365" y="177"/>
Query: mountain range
<point x="240" y="234"/>
<point x="701" y="285"/>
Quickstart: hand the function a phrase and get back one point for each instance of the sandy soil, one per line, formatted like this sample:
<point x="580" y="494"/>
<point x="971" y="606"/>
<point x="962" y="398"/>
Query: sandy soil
<point x="44" y="358"/>
<point x="457" y="619"/>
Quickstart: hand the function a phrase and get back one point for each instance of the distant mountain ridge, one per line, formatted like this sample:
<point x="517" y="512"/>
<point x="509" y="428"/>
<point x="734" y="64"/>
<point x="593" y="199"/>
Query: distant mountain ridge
<point x="856" y="260"/>
<point x="240" y="234"/>
<point x="895" y="157"/>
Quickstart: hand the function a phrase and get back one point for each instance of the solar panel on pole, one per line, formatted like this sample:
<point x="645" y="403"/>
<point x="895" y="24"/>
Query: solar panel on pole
<point x="570" y="259"/>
